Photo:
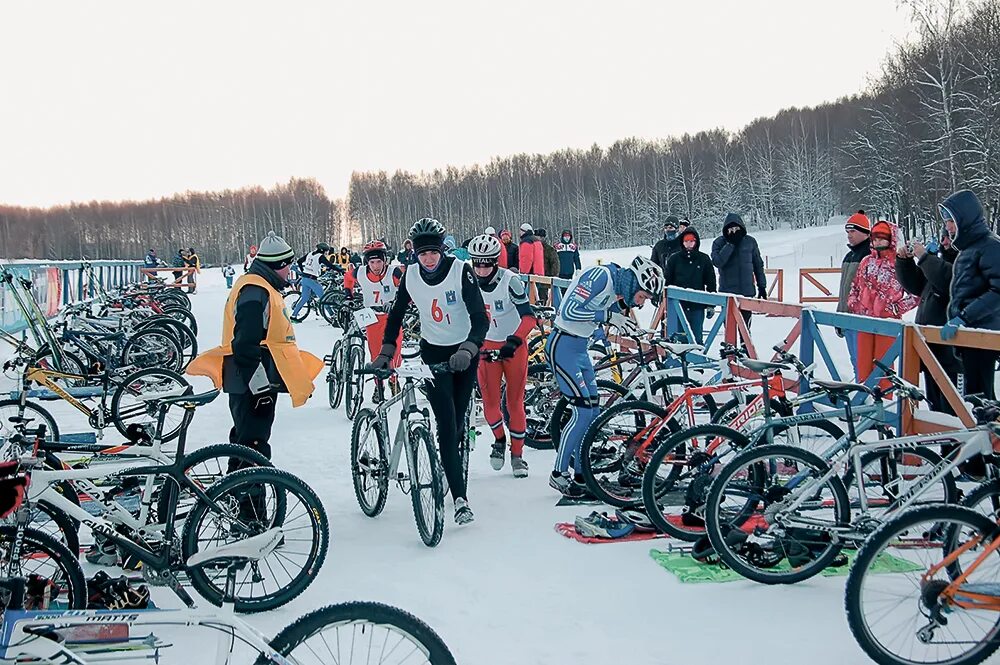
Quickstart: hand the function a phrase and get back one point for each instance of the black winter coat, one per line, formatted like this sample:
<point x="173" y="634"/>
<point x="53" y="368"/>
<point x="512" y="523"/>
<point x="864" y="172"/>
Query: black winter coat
<point x="975" y="284"/>
<point x="929" y="278"/>
<point x="664" y="249"/>
<point x="691" y="270"/>
<point x="739" y="263"/>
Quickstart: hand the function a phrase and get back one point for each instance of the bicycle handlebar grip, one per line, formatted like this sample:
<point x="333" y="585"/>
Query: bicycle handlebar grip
<point x="374" y="371"/>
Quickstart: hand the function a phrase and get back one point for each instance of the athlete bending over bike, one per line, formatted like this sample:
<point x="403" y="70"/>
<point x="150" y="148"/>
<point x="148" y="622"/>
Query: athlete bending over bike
<point x="377" y="287"/>
<point x="453" y="326"/>
<point x="511" y="319"/>
<point x="310" y="268"/>
<point x="597" y="295"/>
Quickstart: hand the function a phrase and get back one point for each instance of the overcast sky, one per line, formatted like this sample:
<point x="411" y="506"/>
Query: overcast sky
<point x="112" y="100"/>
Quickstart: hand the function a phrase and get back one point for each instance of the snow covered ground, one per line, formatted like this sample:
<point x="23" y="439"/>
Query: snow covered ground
<point x="507" y="588"/>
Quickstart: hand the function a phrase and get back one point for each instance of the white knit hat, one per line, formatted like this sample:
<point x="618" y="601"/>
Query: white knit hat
<point x="490" y="231"/>
<point x="274" y="251"/>
<point x="526" y="227"/>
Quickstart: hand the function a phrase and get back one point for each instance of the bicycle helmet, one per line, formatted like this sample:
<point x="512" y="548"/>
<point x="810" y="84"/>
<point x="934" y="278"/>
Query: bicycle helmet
<point x="374" y="249"/>
<point x="323" y="247"/>
<point x="648" y="275"/>
<point x="484" y="250"/>
<point x="427" y="226"/>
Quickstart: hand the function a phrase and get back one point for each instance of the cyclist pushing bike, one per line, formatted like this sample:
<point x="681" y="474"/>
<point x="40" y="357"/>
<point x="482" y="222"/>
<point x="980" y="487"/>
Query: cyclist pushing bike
<point x="601" y="294"/>
<point x="377" y="287"/>
<point x="310" y="268"/>
<point x="453" y="326"/>
<point x="506" y="354"/>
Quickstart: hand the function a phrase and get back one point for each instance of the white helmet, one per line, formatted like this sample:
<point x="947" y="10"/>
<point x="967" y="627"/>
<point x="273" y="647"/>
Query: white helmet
<point x="649" y="276"/>
<point x="484" y="249"/>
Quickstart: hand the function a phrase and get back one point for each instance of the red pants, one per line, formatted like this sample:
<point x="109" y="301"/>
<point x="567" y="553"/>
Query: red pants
<point x="374" y="334"/>
<point x="872" y="347"/>
<point x="491" y="375"/>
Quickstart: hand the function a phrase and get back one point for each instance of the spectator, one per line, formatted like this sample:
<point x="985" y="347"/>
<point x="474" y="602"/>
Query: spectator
<point x="250" y="257"/>
<point x="451" y="249"/>
<point x="975" y="286"/>
<point x="502" y="261"/>
<point x="179" y="261"/>
<point x="691" y="268"/>
<point x="406" y="256"/>
<point x="876" y="292"/>
<point x="737" y="257"/>
<point x="344" y="259"/>
<point x="228" y="273"/>
<point x="192" y="262"/>
<point x="550" y="262"/>
<point x="530" y="256"/>
<point x="929" y="277"/>
<point x="569" y="255"/>
<point x="355" y="259"/>
<point x="683" y="225"/>
<point x="509" y="253"/>
<point x="151" y="261"/>
<point x="667" y="245"/>
<point x="858" y="230"/>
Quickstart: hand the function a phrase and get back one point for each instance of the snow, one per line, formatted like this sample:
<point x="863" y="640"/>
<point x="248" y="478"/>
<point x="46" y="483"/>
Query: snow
<point x="507" y="588"/>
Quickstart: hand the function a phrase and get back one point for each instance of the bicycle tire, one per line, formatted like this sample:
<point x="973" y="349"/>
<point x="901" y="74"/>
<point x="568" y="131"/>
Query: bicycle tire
<point x="429" y="526"/>
<point x="376" y="473"/>
<point x="354" y="390"/>
<point x="40" y="417"/>
<point x="243" y="484"/>
<point x="870" y="552"/>
<point x="560" y="415"/>
<point x="824" y="426"/>
<point x="170" y="356"/>
<point x="69" y="578"/>
<point x="717" y="530"/>
<point x="72" y="364"/>
<point x="173" y="296"/>
<point x="985" y="492"/>
<point x="329" y="304"/>
<point x="182" y="315"/>
<point x="652" y="491"/>
<point x="929" y="457"/>
<point x="422" y="637"/>
<point x="291" y="299"/>
<point x="610" y="492"/>
<point x="538" y="397"/>
<point x="65" y="526"/>
<point x="335" y="376"/>
<point x="122" y="417"/>
<point x="664" y="384"/>
<point x="188" y="339"/>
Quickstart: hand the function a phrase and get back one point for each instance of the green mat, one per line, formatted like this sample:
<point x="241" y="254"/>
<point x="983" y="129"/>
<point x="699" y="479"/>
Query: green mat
<point x="690" y="571"/>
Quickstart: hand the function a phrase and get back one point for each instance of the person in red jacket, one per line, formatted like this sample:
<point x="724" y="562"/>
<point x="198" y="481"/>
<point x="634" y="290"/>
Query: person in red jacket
<point x="876" y="292"/>
<point x="504" y="354"/>
<point x="530" y="254"/>
<point x="377" y="287"/>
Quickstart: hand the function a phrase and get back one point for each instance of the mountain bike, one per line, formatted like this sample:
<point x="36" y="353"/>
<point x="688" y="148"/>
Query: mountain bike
<point x="346" y="357"/>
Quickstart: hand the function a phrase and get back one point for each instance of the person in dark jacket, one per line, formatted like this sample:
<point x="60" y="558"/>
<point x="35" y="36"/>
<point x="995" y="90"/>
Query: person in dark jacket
<point x="975" y="285"/>
<point x="858" y="229"/>
<point x="550" y="262"/>
<point x="667" y="245"/>
<point x="569" y="255"/>
<point x="179" y="261"/>
<point x="926" y="272"/>
<point x="691" y="268"/>
<point x="510" y="247"/>
<point x="406" y="256"/>
<point x="737" y="257"/>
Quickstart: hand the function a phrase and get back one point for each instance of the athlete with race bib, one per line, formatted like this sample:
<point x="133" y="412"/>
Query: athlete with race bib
<point x="505" y="353"/>
<point x="597" y="295"/>
<point x="453" y="326"/>
<point x="377" y="287"/>
<point x="311" y="267"/>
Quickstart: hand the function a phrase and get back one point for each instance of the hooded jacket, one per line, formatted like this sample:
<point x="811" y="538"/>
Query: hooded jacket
<point x="975" y="284"/>
<point x="569" y="256"/>
<point x="550" y="258"/>
<point x="875" y="290"/>
<point x="665" y="248"/>
<point x="849" y="268"/>
<point x="690" y="270"/>
<point x="739" y="263"/>
<point x="510" y="249"/>
<point x="929" y="278"/>
<point x="530" y="255"/>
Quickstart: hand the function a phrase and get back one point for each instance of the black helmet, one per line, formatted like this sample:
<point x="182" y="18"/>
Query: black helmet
<point x="427" y="226"/>
<point x="323" y="247"/>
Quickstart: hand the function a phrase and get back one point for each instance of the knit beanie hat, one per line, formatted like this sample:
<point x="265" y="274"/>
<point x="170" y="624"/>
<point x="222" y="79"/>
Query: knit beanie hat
<point x="426" y="241"/>
<point x="859" y="222"/>
<point x="274" y="252"/>
<point x="882" y="229"/>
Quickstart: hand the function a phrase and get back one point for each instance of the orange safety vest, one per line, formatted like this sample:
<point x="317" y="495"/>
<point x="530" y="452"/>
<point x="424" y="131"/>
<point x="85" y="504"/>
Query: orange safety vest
<point x="297" y="368"/>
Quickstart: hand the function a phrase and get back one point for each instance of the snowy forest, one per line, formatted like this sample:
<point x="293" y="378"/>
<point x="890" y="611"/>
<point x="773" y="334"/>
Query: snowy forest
<point x="928" y="125"/>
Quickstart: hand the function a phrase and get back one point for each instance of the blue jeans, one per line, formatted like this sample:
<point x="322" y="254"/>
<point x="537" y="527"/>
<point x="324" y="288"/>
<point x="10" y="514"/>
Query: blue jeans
<point x="577" y="380"/>
<point x="310" y="287"/>
<point x="696" y="318"/>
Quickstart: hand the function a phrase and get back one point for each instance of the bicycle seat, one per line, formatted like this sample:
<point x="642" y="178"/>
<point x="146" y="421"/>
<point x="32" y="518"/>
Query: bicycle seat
<point x="678" y="349"/>
<point x="188" y="400"/>
<point x="248" y="549"/>
<point x="763" y="366"/>
<point x="842" y="387"/>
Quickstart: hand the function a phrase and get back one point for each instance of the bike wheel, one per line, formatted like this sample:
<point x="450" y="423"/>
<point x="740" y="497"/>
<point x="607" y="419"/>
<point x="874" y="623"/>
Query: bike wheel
<point x="292" y="299"/>
<point x="355" y="383"/>
<point x="188" y="340"/>
<point x="540" y="396"/>
<point x="609" y="393"/>
<point x="727" y="413"/>
<point x="369" y="463"/>
<point x="182" y="315"/>
<point x="426" y="485"/>
<point x="48" y="559"/>
<point x="71" y="364"/>
<point x="248" y="503"/>
<point x="335" y="377"/>
<point x="676" y="479"/>
<point x="617" y="447"/>
<point x="749" y="494"/>
<point x="669" y="388"/>
<point x="329" y="304"/>
<point x="127" y="405"/>
<point x="53" y="521"/>
<point x="905" y="618"/>
<point x="816" y="436"/>
<point x="360" y="632"/>
<point x="205" y="467"/>
<point x="10" y="408"/>
<point x="152" y="348"/>
<point x="985" y="499"/>
<point x="889" y="475"/>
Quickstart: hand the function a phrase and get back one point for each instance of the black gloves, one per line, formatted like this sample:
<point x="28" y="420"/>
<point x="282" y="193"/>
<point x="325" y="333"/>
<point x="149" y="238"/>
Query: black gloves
<point x="840" y="332"/>
<point x="510" y="348"/>
<point x="461" y="359"/>
<point x="762" y="294"/>
<point x="383" y="358"/>
<point x="734" y="234"/>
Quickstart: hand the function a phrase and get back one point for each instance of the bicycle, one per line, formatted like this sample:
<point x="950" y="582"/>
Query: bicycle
<point x="374" y="464"/>
<point x="258" y="509"/>
<point x="346" y="357"/>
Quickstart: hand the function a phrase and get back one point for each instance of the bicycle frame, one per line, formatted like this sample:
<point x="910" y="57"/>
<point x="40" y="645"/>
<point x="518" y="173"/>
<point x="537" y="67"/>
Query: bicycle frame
<point x="953" y="593"/>
<point x="401" y="439"/>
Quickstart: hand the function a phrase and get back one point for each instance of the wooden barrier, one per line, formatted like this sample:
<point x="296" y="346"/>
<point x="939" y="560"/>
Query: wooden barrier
<point x="177" y="283"/>
<point x="777" y="284"/>
<point x="808" y="275"/>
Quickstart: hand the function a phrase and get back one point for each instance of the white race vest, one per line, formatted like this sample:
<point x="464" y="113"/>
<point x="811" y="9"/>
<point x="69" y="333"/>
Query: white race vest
<point x="500" y="309"/>
<point x="311" y="266"/>
<point x="376" y="293"/>
<point x="444" y="318"/>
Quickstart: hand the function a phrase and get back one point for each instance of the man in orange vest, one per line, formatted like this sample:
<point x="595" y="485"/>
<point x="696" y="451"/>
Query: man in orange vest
<point x="258" y="357"/>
